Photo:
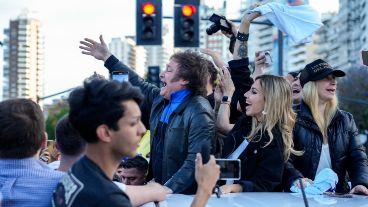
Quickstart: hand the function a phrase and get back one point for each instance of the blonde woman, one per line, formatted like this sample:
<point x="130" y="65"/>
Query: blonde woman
<point x="265" y="133"/>
<point x="327" y="135"/>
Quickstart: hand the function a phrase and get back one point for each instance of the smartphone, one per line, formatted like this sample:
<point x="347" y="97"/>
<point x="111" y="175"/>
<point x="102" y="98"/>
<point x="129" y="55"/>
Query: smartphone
<point x="229" y="169"/>
<point x="365" y="57"/>
<point x="50" y="145"/>
<point x="268" y="58"/>
<point x="120" y="76"/>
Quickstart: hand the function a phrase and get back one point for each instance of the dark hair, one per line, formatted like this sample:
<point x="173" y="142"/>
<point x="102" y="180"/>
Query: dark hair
<point x="192" y="68"/>
<point x="136" y="162"/>
<point x="22" y="126"/>
<point x="68" y="139"/>
<point x="294" y="73"/>
<point x="99" y="102"/>
<point x="212" y="72"/>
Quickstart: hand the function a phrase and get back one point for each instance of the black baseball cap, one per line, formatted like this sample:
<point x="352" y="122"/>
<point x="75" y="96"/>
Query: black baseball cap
<point x="295" y="74"/>
<point x="318" y="70"/>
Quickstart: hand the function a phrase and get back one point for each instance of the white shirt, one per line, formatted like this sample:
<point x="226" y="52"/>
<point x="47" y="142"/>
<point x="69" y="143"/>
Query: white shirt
<point x="325" y="159"/>
<point x="299" y="22"/>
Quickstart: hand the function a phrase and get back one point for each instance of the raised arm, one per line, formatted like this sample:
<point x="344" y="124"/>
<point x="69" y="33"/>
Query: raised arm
<point x="227" y="88"/>
<point x="216" y="57"/>
<point x="241" y="43"/>
<point x="100" y="51"/>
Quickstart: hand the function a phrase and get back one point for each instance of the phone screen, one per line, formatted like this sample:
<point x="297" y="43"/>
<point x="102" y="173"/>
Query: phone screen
<point x="365" y="57"/>
<point x="268" y="58"/>
<point x="120" y="76"/>
<point x="229" y="169"/>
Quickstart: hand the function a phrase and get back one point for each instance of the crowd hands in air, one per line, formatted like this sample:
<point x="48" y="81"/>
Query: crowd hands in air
<point x="281" y="128"/>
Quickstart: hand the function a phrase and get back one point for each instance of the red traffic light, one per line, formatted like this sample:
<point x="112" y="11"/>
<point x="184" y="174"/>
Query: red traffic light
<point x="148" y="8"/>
<point x="188" y="10"/>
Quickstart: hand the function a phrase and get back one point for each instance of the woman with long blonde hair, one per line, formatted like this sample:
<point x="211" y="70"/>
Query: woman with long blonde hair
<point x="326" y="134"/>
<point x="266" y="134"/>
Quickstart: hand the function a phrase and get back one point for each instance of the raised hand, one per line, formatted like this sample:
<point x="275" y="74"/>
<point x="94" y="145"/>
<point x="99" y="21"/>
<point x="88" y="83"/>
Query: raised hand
<point x="207" y="174"/>
<point x="98" y="50"/>
<point x="234" y="29"/>
<point x="227" y="85"/>
<point x="216" y="57"/>
<point x="259" y="64"/>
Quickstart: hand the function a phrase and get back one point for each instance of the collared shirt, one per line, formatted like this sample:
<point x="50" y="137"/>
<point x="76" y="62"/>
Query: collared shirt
<point x="27" y="182"/>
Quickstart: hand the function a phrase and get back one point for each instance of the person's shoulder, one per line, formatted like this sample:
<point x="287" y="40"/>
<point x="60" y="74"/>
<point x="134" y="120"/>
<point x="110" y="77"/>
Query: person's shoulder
<point x="77" y="187"/>
<point x="200" y="103"/>
<point x="67" y="191"/>
<point x="45" y="172"/>
<point x="344" y="114"/>
<point x="343" y="117"/>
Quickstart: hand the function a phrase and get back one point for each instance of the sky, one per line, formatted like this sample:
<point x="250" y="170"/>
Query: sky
<point x="66" y="22"/>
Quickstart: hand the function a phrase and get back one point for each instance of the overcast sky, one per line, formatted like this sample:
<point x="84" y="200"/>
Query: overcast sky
<point x="66" y="22"/>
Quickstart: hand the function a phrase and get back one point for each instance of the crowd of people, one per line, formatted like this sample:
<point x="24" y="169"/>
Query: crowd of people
<point x="282" y="129"/>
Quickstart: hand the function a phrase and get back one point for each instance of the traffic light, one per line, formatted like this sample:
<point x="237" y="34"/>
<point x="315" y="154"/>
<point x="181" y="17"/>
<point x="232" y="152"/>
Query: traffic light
<point x="153" y="75"/>
<point x="149" y="22"/>
<point x="186" y="26"/>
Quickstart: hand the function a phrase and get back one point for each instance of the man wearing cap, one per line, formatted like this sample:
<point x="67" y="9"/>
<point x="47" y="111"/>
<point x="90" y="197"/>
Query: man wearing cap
<point x="326" y="134"/>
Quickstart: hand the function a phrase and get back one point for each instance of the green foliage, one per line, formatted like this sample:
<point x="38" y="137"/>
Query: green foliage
<point x="353" y="94"/>
<point x="55" y="113"/>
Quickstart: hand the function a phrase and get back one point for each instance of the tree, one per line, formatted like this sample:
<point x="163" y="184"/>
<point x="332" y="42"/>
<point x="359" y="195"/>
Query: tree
<point x="56" y="112"/>
<point x="353" y="94"/>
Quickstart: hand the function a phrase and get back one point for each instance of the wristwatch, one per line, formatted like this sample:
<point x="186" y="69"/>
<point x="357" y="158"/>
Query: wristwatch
<point x="226" y="99"/>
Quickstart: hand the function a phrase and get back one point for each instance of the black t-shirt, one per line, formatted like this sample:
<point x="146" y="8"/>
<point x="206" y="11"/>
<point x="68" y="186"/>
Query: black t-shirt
<point x="87" y="185"/>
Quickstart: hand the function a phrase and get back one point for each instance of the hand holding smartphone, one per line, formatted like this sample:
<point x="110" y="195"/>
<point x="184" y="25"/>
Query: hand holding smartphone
<point x="268" y="61"/>
<point x="230" y="169"/>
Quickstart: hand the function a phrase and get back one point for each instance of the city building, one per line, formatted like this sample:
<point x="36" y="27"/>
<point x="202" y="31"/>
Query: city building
<point x="23" y="59"/>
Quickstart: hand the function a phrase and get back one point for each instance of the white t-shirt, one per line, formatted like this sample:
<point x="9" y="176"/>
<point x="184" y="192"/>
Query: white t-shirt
<point x="325" y="159"/>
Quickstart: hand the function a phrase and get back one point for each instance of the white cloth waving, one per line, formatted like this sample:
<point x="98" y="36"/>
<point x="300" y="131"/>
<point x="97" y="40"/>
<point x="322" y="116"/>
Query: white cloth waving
<point x="299" y="22"/>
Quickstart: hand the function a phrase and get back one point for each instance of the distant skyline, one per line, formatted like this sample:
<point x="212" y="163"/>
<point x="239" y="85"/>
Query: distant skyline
<point x="66" y="22"/>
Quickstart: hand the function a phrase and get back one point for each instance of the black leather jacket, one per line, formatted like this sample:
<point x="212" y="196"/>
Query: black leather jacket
<point x="190" y="126"/>
<point x="347" y="154"/>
